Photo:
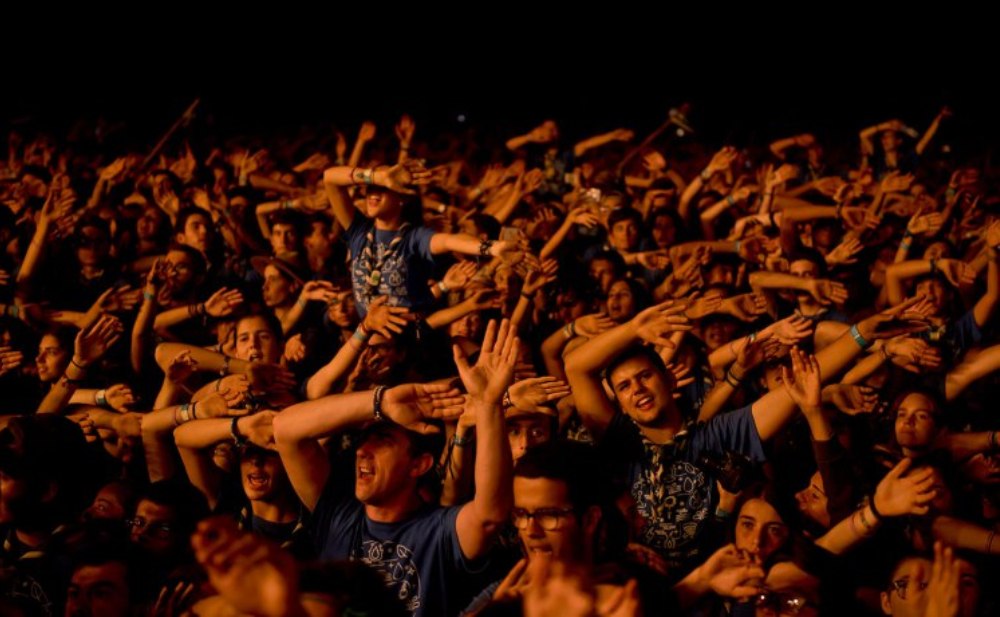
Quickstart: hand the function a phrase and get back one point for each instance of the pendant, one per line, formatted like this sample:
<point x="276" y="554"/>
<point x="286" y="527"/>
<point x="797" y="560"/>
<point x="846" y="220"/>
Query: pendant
<point x="374" y="278"/>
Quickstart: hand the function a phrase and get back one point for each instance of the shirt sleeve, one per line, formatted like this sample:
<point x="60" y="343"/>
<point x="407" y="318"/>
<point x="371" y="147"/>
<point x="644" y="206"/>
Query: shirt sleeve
<point x="735" y="431"/>
<point x="967" y="332"/>
<point x="420" y="242"/>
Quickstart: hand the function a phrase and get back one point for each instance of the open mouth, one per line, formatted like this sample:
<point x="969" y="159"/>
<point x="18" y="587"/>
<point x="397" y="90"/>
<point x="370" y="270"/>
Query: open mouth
<point x="644" y="403"/>
<point x="258" y="481"/>
<point x="365" y="471"/>
<point x="255" y="356"/>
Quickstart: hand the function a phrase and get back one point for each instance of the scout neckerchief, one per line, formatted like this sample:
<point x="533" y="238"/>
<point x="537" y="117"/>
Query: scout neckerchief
<point x="373" y="263"/>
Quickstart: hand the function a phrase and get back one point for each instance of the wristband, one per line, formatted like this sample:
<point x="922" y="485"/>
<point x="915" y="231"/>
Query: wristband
<point x="82" y="367"/>
<point x="484" y="248"/>
<point x="871" y="504"/>
<point x="444" y="288"/>
<point x="238" y="438"/>
<point x="458" y="442"/>
<point x="860" y="340"/>
<point x="377" y="403"/>
<point x="705" y="175"/>
<point x="100" y="398"/>
<point x="507" y="403"/>
<point x="361" y="333"/>
<point x="730" y="201"/>
<point x="13" y="310"/>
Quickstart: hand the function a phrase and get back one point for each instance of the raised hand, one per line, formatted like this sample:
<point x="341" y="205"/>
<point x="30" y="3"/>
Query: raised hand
<point x="845" y="253"/>
<point x="494" y="370"/>
<point x="894" y="182"/>
<point x="901" y="493"/>
<point x="386" y="320"/>
<point x="731" y="573"/>
<point x="459" y="275"/>
<point x="253" y="575"/>
<point x="532" y="394"/>
<point x="958" y="273"/>
<point x="405" y="129"/>
<point x="411" y="405"/>
<point x="701" y="305"/>
<point x="217" y="405"/>
<point x="722" y="160"/>
<point x="92" y="343"/>
<point x="913" y="354"/>
<point x="803" y="383"/>
<point x="258" y="428"/>
<point x="295" y="349"/>
<point x="907" y="317"/>
<point x="119" y="397"/>
<point x="928" y="224"/>
<point x="9" y="360"/>
<point x="264" y="376"/>
<point x="539" y="278"/>
<point x="223" y="302"/>
<point x="318" y="291"/>
<point x="851" y="399"/>
<point x="593" y="324"/>
<point x="366" y="132"/>
<point x="655" y="324"/>
<point x="827" y="292"/>
<point x="181" y="367"/>
<point x="402" y="177"/>
<point x="746" y="307"/>
<point x="944" y="593"/>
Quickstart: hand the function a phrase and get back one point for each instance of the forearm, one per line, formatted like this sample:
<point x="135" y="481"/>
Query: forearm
<point x="205" y="360"/>
<point x="986" y="306"/>
<point x="456" y="243"/>
<point x="493" y="498"/>
<point x="325" y="416"/>
<point x="964" y="535"/>
<point x="457" y="487"/>
<point x="863" y="368"/>
<point x="261" y="182"/>
<point x="765" y="279"/>
<point x="205" y="433"/>
<point x="62" y="390"/>
<point x="141" y="334"/>
<point x="171" y="317"/>
<point x="592" y="142"/>
<point x="292" y="315"/>
<point x="516" y="143"/>
<point x="715" y="400"/>
<point x="34" y="253"/>
<point x="356" y="152"/>
<point x="442" y="318"/>
<point x="971" y="369"/>
<point x="849" y="532"/>
<point x="263" y="211"/>
<point x="340" y="365"/>
<point x="897" y="273"/>
<point x="335" y="179"/>
<point x="962" y="446"/>
<point x="556" y="239"/>
<point x="552" y="349"/>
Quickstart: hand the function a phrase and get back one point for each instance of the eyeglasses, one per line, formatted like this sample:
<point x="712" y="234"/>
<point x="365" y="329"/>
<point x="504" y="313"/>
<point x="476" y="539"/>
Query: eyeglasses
<point x="901" y="585"/>
<point x="782" y="603"/>
<point x="549" y="519"/>
<point x="156" y="530"/>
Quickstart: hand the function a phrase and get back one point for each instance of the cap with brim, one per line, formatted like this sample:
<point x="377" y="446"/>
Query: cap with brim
<point x="290" y="264"/>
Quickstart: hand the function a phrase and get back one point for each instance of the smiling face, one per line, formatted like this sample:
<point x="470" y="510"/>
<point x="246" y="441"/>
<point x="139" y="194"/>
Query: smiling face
<point x="386" y="469"/>
<point x="644" y="392"/>
<point x="263" y="475"/>
<point x="812" y="501"/>
<point x="383" y="203"/>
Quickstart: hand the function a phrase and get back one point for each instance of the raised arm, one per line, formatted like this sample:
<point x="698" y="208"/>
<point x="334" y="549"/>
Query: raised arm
<point x="585" y="363"/>
<point x="479" y="520"/>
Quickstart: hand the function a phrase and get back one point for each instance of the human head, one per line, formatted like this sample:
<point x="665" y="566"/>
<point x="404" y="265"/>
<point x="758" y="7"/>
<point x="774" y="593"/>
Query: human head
<point x="100" y="585"/>
<point x="391" y="463"/>
<point x="624" y="225"/>
<point x="165" y="516"/>
<point x="286" y="232"/>
<point x="194" y="228"/>
<point x="905" y="593"/>
<point x="259" y="338"/>
<point x="55" y="349"/>
<point x="917" y="414"/>
<point x="554" y="486"/>
<point x="643" y="386"/>
<point x="263" y="475"/>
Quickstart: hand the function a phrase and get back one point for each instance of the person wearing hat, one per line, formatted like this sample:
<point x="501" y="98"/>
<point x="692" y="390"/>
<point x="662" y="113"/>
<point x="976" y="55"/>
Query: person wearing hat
<point x="391" y="255"/>
<point x="421" y="548"/>
<point x="287" y="290"/>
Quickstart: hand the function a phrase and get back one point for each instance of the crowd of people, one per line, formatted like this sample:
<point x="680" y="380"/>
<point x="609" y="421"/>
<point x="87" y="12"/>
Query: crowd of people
<point x="428" y="375"/>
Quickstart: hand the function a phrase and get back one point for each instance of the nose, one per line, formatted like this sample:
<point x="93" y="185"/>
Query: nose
<point x="519" y="445"/>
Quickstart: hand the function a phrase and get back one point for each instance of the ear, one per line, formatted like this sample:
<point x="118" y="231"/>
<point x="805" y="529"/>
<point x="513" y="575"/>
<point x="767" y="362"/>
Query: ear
<point x="179" y="238"/>
<point x="591" y="520"/>
<point x="421" y="465"/>
<point x="50" y="492"/>
<point x="886" y="607"/>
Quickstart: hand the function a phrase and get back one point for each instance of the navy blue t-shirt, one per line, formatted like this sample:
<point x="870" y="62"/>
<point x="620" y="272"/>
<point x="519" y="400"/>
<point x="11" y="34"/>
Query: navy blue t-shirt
<point x="672" y="494"/>
<point x="420" y="557"/>
<point x="404" y="272"/>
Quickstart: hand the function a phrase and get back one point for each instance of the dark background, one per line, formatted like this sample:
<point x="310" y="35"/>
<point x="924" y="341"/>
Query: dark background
<point x="746" y="84"/>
